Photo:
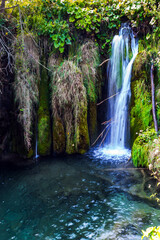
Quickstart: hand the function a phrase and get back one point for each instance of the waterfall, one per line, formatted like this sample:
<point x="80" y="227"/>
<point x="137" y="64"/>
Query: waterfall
<point x="36" y="150"/>
<point x="36" y="143"/>
<point x="124" y="51"/>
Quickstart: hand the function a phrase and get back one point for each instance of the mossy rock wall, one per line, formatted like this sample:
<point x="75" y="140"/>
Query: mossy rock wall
<point x="77" y="138"/>
<point x="143" y="136"/>
<point x="82" y="133"/>
<point x="58" y="136"/>
<point x="44" y="121"/>
<point x="142" y="148"/>
<point x="69" y="109"/>
<point x="141" y="105"/>
<point x="92" y="121"/>
<point x="27" y="75"/>
<point x="76" y="87"/>
<point x="89" y="62"/>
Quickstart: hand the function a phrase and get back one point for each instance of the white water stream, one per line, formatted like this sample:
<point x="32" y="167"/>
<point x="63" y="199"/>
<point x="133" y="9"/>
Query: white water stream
<point x="119" y="71"/>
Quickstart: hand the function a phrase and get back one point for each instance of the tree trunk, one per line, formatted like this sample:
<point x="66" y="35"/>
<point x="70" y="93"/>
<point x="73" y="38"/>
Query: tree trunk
<point x="153" y="99"/>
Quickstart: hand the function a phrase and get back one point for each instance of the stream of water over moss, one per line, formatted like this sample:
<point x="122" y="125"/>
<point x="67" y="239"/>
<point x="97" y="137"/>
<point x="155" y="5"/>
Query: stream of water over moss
<point x="76" y="197"/>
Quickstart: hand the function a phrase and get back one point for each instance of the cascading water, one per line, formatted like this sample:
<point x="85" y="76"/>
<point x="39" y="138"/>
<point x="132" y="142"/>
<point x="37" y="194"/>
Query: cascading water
<point x="119" y="76"/>
<point x="36" y="144"/>
<point x="36" y="149"/>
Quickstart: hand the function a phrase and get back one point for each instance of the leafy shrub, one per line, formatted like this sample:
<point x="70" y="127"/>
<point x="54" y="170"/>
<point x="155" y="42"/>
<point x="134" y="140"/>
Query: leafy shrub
<point x="141" y="147"/>
<point x="57" y="19"/>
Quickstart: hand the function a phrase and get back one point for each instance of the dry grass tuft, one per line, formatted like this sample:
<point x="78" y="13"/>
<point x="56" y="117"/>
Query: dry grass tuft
<point x="88" y="62"/>
<point x="25" y="85"/>
<point x="72" y="81"/>
<point x="68" y="94"/>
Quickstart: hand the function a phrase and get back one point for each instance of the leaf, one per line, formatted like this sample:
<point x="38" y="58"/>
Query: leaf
<point x="68" y="41"/>
<point x="71" y="19"/>
<point x="61" y="44"/>
<point x="56" y="45"/>
<point x="61" y="50"/>
<point x="54" y="37"/>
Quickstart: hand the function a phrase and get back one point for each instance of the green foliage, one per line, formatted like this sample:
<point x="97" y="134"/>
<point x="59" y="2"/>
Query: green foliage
<point x="141" y="147"/>
<point x="58" y="19"/>
<point x="58" y="31"/>
<point x="141" y="109"/>
<point x="147" y="136"/>
<point x="143" y="105"/>
<point x="152" y="233"/>
<point x="85" y="15"/>
<point x="2" y="22"/>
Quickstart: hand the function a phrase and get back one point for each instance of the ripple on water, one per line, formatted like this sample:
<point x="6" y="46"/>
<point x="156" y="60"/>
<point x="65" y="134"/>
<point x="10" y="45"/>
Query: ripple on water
<point x="74" y="198"/>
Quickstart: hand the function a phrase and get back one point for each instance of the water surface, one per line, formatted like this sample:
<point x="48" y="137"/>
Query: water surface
<point x="79" y="197"/>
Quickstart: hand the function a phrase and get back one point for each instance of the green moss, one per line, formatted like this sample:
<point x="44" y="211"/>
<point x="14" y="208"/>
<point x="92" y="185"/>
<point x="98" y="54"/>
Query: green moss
<point x="91" y="89"/>
<point x="141" y="148"/>
<point x="44" y="136"/>
<point x="77" y="138"/>
<point x="141" y="105"/>
<point x="82" y="140"/>
<point x="92" y="121"/>
<point x="141" y="67"/>
<point x="44" y="128"/>
<point x="69" y="104"/>
<point x="70" y="143"/>
<point x="58" y="136"/>
<point x="88" y="60"/>
<point x="140" y="155"/>
<point x="30" y="153"/>
<point x="73" y="83"/>
<point x="141" y="108"/>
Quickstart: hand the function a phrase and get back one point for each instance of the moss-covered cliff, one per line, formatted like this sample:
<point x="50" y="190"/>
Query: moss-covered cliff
<point x="44" y="121"/>
<point x="69" y="107"/>
<point x="143" y="134"/>
<point x="141" y="105"/>
<point x="74" y="90"/>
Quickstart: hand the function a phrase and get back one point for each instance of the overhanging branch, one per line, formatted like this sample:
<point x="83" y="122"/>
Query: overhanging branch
<point x="2" y="9"/>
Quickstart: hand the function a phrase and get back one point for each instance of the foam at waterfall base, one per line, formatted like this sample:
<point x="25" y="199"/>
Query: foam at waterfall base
<point x="115" y="154"/>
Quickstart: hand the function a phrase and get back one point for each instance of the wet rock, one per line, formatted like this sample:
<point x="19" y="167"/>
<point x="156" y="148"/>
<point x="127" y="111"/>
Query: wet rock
<point x="44" y="121"/>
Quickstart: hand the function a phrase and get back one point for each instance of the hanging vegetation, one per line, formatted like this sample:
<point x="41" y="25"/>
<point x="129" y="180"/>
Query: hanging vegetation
<point x="69" y="103"/>
<point x="88" y="56"/>
<point x="88" y="59"/>
<point x="26" y="84"/>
